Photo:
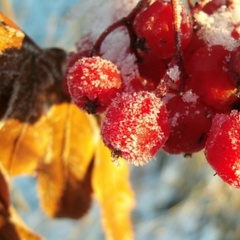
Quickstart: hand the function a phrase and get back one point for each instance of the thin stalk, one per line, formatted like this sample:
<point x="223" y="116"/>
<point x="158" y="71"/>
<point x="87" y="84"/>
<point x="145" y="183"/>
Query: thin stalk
<point x="126" y="22"/>
<point x="178" y="57"/>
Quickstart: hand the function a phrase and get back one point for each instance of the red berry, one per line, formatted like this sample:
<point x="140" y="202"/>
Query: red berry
<point x="223" y="147"/>
<point x="190" y="123"/>
<point x="150" y="71"/>
<point x="135" y="126"/>
<point x="213" y="5"/>
<point x="156" y="25"/>
<point x="72" y="58"/>
<point x="138" y="83"/>
<point x="236" y="32"/>
<point x="93" y="82"/>
<point x="235" y="62"/>
<point x="209" y="77"/>
<point x="152" y="68"/>
<point x="193" y="46"/>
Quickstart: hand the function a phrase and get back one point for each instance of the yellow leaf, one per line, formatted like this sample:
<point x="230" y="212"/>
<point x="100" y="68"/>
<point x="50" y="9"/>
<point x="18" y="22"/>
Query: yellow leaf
<point x="10" y="34"/>
<point x="113" y="191"/>
<point x="63" y="175"/>
<point x="23" y="145"/>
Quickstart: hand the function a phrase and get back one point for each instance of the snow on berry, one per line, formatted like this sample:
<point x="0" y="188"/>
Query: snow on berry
<point x="222" y="147"/>
<point x="135" y="126"/>
<point x="217" y="28"/>
<point x="174" y="73"/>
<point x="93" y="82"/>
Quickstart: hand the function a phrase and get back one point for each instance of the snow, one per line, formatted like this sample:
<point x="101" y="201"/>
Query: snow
<point x="190" y="97"/>
<point x="174" y="73"/>
<point x="216" y="29"/>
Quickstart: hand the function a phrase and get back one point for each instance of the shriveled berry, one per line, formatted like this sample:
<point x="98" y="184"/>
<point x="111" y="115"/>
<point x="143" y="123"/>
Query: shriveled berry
<point x="93" y="82"/>
<point x="223" y="147"/>
<point x="135" y="126"/>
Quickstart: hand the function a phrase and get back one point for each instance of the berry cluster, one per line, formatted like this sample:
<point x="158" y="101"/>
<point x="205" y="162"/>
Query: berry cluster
<point x="174" y="86"/>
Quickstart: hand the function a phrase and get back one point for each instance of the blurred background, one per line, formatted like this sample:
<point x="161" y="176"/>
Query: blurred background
<point x="177" y="198"/>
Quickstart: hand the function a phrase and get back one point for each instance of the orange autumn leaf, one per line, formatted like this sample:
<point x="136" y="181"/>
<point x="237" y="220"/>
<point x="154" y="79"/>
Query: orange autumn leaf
<point x="64" y="174"/>
<point x="11" y="35"/>
<point x="113" y="191"/>
<point x="11" y="225"/>
<point x="22" y="145"/>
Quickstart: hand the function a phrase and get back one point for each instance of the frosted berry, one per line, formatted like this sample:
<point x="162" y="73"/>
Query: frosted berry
<point x="223" y="147"/>
<point x="135" y="126"/>
<point x="71" y="60"/>
<point x="156" y="26"/>
<point x="93" y="82"/>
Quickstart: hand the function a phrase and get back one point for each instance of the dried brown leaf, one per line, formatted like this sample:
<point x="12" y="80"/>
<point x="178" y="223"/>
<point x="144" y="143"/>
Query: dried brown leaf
<point x="23" y="145"/>
<point x="113" y="191"/>
<point x="27" y="74"/>
<point x="30" y="81"/>
<point x="4" y="193"/>
<point x="77" y="196"/>
<point x="64" y="173"/>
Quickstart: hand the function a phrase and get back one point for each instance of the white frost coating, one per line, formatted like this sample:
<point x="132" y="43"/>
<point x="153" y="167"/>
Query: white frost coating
<point x="95" y="76"/>
<point x="174" y="120"/>
<point x="216" y="28"/>
<point x="190" y="97"/>
<point x="138" y="128"/>
<point x="178" y="15"/>
<point x="174" y="73"/>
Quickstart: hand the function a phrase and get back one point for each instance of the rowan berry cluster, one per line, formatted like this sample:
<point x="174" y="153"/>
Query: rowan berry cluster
<point x="174" y="87"/>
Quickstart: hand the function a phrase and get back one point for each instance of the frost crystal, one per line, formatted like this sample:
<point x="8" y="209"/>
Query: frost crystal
<point x="216" y="29"/>
<point x="190" y="97"/>
<point x="174" y="73"/>
<point x="132" y="126"/>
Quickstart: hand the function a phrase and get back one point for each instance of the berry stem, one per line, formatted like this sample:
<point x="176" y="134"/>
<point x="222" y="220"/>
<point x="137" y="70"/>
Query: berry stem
<point x="125" y="21"/>
<point x="178" y="57"/>
<point x="190" y="4"/>
<point x="198" y="6"/>
<point x="229" y="2"/>
<point x="97" y="46"/>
